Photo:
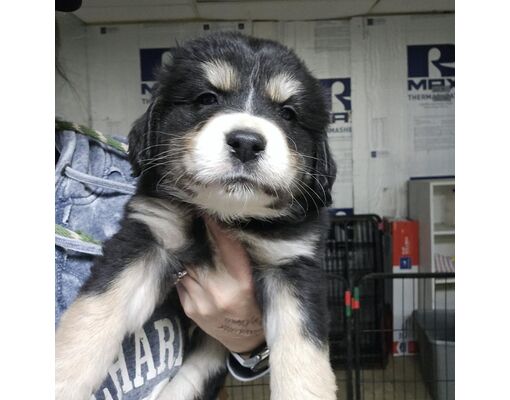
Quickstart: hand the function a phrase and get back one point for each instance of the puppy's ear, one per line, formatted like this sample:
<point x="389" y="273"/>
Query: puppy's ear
<point x="325" y="173"/>
<point x="139" y="142"/>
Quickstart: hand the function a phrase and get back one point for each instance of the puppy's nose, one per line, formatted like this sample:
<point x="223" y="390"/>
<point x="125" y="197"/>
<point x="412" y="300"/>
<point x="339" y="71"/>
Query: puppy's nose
<point x="246" y="145"/>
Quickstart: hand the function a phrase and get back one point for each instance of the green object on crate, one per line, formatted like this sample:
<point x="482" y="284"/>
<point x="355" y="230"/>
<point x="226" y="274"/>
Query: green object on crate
<point x="355" y="301"/>
<point x="348" y="302"/>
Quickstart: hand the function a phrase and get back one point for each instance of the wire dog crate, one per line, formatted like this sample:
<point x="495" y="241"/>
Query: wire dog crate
<point x="354" y="248"/>
<point x="426" y="369"/>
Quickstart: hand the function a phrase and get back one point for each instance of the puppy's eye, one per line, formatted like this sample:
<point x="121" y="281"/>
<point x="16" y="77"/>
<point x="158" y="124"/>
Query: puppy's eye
<point x="288" y="113"/>
<point x="206" y="99"/>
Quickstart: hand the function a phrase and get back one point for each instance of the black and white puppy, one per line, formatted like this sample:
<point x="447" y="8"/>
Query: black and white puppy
<point x="237" y="131"/>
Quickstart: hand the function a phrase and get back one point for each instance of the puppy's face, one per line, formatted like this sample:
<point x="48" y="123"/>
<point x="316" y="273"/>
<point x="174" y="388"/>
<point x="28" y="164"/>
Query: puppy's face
<point x="237" y="127"/>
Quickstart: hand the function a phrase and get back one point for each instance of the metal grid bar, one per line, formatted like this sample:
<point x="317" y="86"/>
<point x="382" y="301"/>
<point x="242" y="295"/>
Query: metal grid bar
<point x="423" y="367"/>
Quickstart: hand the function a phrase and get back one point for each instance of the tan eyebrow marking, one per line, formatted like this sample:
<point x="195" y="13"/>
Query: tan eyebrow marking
<point x="282" y="86"/>
<point x="221" y="75"/>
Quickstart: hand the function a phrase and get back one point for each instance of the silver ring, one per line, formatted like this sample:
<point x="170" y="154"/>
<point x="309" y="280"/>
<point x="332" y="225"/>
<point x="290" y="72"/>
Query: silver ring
<point x="180" y="275"/>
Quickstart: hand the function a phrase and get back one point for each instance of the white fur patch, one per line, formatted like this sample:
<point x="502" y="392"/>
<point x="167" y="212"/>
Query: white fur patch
<point x="248" y="106"/>
<point x="221" y="75"/>
<point x="215" y="199"/>
<point x="281" y="87"/>
<point x="165" y="221"/>
<point x="278" y="251"/>
<point x="299" y="369"/>
<point x="91" y="330"/>
<point x="205" y="362"/>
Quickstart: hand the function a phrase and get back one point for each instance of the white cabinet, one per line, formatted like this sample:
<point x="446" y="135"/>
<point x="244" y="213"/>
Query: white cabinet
<point x="432" y="204"/>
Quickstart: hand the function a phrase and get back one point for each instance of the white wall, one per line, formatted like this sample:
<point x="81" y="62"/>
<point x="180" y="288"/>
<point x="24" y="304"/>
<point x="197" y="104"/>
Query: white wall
<point x="114" y="64"/>
<point x="399" y="133"/>
<point x="371" y="56"/>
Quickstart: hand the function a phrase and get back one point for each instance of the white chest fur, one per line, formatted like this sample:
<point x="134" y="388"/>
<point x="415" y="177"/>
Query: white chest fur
<point x="165" y="221"/>
<point x="168" y="225"/>
<point x="278" y="251"/>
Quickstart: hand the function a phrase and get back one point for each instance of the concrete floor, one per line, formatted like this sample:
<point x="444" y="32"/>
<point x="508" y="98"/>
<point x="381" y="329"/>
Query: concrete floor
<point x="400" y="380"/>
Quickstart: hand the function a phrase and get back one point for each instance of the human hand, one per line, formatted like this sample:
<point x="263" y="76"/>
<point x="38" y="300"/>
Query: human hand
<point x="221" y="301"/>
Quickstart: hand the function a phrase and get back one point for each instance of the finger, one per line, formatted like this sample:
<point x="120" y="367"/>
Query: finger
<point x="192" y="273"/>
<point x="231" y="251"/>
<point x="182" y="292"/>
<point x="197" y="299"/>
<point x="201" y="276"/>
<point x="185" y="299"/>
<point x="193" y="288"/>
<point x="213" y="226"/>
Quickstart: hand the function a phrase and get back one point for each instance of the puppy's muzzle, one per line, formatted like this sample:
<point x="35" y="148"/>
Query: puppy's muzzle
<point x="245" y="145"/>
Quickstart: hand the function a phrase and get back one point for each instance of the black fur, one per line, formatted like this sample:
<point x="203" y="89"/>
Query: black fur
<point x="309" y="284"/>
<point x="198" y="249"/>
<point x="325" y="173"/>
<point x="285" y="227"/>
<point x="213" y="385"/>
<point x="133" y="241"/>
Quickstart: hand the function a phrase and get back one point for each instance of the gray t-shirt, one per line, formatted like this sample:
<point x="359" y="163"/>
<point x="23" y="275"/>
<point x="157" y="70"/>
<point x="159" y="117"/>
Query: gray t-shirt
<point x="147" y="360"/>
